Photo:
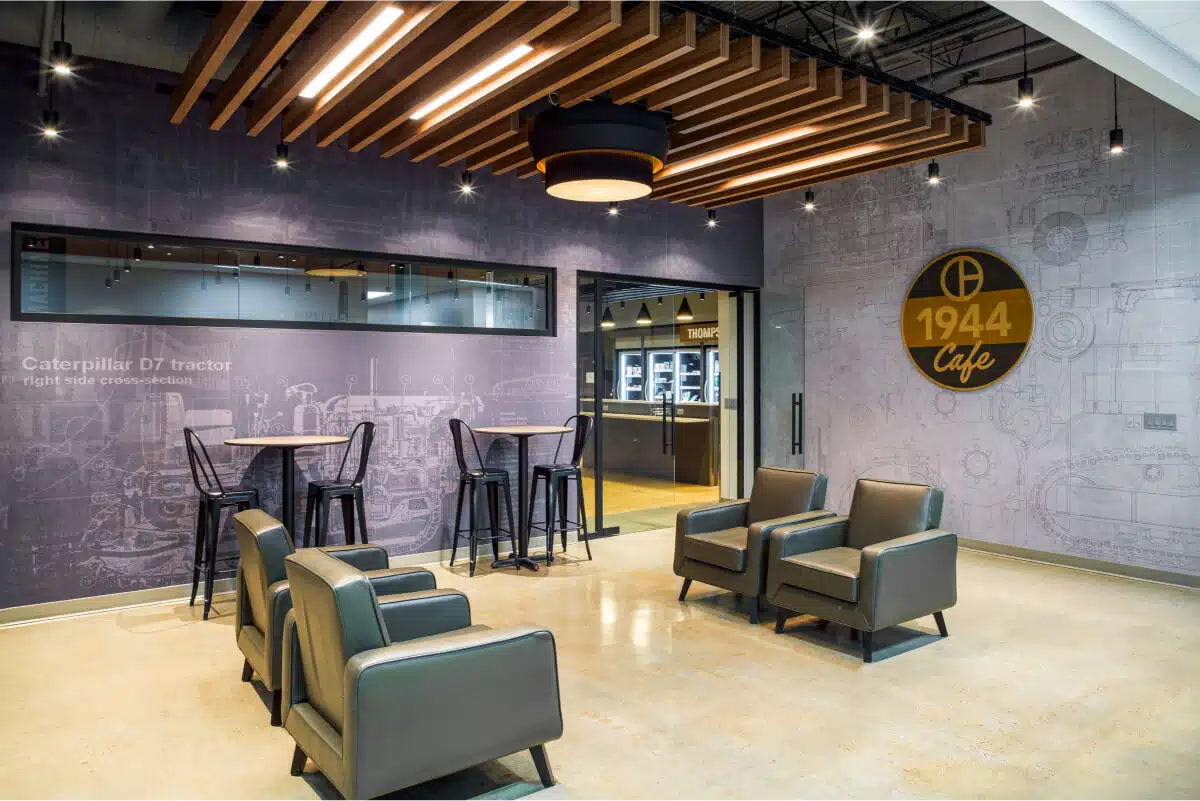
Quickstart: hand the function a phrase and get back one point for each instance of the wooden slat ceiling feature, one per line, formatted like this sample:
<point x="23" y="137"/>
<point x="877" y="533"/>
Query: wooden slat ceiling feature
<point x="226" y="29"/>
<point x="604" y="35"/>
<point x="459" y="82"/>
<point x="745" y="58"/>
<point x="948" y="134"/>
<point x="711" y="51"/>
<point x="476" y="37"/>
<point x="332" y="37"/>
<point x="678" y="39"/>
<point x="261" y="58"/>
<point x="419" y="18"/>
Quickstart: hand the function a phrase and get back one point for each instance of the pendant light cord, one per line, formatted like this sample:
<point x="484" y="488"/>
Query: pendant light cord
<point x="1025" y="50"/>
<point x="1116" y="118"/>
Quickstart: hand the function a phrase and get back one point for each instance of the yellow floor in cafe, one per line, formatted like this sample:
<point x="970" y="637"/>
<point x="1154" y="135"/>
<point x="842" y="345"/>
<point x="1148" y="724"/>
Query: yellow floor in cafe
<point x="641" y="503"/>
<point x="1053" y="683"/>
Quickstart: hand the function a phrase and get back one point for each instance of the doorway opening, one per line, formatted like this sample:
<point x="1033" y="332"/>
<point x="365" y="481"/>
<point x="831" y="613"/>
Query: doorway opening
<point x="661" y="370"/>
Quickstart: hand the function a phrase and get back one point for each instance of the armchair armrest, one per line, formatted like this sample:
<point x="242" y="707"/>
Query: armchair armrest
<point x="701" y="519"/>
<point x="817" y="534"/>
<point x="397" y="580"/>
<point x="421" y="614"/>
<point x="447" y="685"/>
<point x="364" y="557"/>
<point x="294" y="689"/>
<point x="908" y="577"/>
<point x="758" y="539"/>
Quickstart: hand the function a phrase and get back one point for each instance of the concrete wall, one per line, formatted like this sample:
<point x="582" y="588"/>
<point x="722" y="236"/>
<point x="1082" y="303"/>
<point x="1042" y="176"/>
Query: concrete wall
<point x="96" y="496"/>
<point x="1055" y="456"/>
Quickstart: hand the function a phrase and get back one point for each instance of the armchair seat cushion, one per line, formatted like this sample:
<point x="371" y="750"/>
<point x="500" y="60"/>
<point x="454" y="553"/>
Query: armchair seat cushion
<point x="725" y="548"/>
<point x="832" y="572"/>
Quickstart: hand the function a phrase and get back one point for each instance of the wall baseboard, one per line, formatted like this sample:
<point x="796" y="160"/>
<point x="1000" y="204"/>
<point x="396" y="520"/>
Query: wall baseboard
<point x="1082" y="563"/>
<point x="74" y="607"/>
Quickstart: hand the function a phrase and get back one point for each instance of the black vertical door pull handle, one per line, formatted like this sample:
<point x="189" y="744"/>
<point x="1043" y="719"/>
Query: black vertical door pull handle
<point x="672" y="426"/>
<point x="663" y="398"/>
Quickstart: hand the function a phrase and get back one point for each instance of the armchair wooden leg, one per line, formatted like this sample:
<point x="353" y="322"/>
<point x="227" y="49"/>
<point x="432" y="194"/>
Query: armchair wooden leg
<point x="941" y="624"/>
<point x="542" y="763"/>
<point x="299" y="760"/>
<point x="276" y="707"/>
<point x="683" y="592"/>
<point x="754" y="610"/>
<point x="247" y="671"/>
<point x="868" y="656"/>
<point x="780" y="619"/>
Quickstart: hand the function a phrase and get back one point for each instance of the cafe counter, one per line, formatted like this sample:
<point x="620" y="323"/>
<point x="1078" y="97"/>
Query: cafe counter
<point x="638" y="437"/>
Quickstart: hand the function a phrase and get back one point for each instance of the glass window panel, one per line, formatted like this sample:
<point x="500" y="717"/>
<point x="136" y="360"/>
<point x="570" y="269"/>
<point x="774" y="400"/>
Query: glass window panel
<point x="95" y="276"/>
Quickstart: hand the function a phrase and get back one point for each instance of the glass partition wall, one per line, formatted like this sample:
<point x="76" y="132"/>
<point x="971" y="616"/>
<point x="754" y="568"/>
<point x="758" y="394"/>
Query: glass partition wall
<point x="79" y="275"/>
<point x="660" y="372"/>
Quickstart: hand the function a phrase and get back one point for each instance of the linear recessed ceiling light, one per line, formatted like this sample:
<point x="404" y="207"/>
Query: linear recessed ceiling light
<point x="522" y="67"/>
<point x="738" y="150"/>
<point x="474" y="79"/>
<point x="370" y="59"/>
<point x="374" y="294"/>
<point x="358" y="44"/>
<point x="800" y="166"/>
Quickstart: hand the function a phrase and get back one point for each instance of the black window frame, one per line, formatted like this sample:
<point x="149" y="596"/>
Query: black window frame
<point x="21" y="229"/>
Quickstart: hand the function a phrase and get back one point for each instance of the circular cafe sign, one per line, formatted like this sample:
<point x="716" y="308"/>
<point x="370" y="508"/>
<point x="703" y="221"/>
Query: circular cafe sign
<point x="967" y="319"/>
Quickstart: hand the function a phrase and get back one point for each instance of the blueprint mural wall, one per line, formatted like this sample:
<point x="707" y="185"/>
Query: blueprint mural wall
<point x="96" y="496"/>
<point x="1055" y="457"/>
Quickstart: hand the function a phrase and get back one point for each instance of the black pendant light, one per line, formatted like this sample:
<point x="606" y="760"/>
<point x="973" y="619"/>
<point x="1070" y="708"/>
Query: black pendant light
<point x="684" y="314"/>
<point x="598" y="152"/>
<point x="643" y="316"/>
<point x="934" y="173"/>
<point x="50" y="120"/>
<point x="1116" y="137"/>
<point x="1025" y="83"/>
<point x="282" y="161"/>
<point x="810" y="200"/>
<point x="466" y="184"/>
<point x="606" y="319"/>
<point x="711" y="222"/>
<point x="60" y="51"/>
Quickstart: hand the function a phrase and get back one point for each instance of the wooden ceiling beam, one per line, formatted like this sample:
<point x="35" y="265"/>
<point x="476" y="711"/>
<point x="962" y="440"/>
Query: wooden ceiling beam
<point x="222" y="35"/>
<point x="976" y="139"/>
<point x="501" y="149"/>
<point x="311" y="57"/>
<point x="832" y="96"/>
<point x="282" y="32"/>
<point x="679" y="39"/>
<point x="824" y="86"/>
<point x="712" y="50"/>
<point x="497" y="132"/>
<point x="946" y="130"/>
<point x="885" y="112"/>
<point x="513" y="161"/>
<point x="419" y="18"/>
<point x="777" y="70"/>
<point x="601" y="37"/>
<point x="745" y="58"/>
<point x="472" y="41"/>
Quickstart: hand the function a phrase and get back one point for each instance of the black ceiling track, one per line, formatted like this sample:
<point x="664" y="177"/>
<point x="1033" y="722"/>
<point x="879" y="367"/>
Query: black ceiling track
<point x="867" y="71"/>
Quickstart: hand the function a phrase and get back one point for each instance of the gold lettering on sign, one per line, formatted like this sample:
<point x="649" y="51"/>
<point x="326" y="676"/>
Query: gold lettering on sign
<point x="965" y="365"/>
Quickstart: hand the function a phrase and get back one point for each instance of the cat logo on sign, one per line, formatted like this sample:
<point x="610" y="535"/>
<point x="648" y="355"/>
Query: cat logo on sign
<point x="967" y="319"/>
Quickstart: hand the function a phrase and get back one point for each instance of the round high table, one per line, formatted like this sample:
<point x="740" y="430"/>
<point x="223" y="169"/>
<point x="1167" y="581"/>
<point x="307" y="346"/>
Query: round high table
<point x="287" y="445"/>
<point x="522" y="435"/>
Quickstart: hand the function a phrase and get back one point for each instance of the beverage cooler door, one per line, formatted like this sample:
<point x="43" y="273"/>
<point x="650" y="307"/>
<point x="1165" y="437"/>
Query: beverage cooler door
<point x="689" y="376"/>
<point x="712" y="382"/>
<point x="662" y="375"/>
<point x="632" y="385"/>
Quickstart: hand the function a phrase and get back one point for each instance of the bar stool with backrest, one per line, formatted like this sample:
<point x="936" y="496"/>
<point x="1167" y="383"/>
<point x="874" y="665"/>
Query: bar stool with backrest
<point x="557" y="475"/>
<point x="489" y="479"/>
<point x="322" y="493"/>
<point x="214" y="496"/>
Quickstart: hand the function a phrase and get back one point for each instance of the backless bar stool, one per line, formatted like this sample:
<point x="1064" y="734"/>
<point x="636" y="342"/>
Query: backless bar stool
<point x="322" y="493"/>
<point x="214" y="497"/>
<point x="491" y="480"/>
<point x="557" y="476"/>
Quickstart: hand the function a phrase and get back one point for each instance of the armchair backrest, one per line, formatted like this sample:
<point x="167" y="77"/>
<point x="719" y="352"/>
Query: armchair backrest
<point x="780" y="491"/>
<point x="883" y="510"/>
<point x="337" y="616"/>
<point x="263" y="544"/>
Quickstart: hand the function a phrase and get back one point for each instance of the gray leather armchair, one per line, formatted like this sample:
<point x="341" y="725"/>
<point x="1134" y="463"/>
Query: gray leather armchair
<point x="384" y="693"/>
<point x="726" y="545"/>
<point x="885" y="563"/>
<point x="264" y="595"/>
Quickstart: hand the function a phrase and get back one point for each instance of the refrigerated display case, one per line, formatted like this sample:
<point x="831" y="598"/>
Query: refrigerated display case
<point x="632" y="383"/>
<point x="712" y="385"/>
<point x="689" y="376"/>
<point x="662" y="374"/>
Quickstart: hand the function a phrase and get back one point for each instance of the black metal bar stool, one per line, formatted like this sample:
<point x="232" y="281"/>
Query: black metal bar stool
<point x="557" y="476"/>
<point x="214" y="497"/>
<point x="489" y="479"/>
<point x="323" y="493"/>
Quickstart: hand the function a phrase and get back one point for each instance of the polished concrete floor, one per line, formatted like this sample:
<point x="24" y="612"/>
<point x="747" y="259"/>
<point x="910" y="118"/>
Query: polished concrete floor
<point x="1053" y="683"/>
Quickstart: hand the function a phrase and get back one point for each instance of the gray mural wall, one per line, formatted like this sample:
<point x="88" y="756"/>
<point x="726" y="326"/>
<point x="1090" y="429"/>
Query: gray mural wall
<point x="1055" y="457"/>
<point x="96" y="496"/>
